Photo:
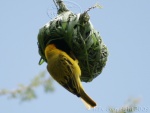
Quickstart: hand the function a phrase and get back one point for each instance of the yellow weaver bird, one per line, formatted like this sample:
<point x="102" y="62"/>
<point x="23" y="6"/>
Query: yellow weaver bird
<point x="66" y="72"/>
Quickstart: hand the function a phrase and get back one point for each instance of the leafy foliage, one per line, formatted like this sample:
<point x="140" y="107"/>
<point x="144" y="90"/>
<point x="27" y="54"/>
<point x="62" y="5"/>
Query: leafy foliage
<point x="129" y="107"/>
<point x="27" y="92"/>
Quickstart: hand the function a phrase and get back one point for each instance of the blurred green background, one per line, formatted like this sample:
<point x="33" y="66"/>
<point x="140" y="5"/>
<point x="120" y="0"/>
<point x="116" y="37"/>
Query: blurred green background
<point x="124" y="26"/>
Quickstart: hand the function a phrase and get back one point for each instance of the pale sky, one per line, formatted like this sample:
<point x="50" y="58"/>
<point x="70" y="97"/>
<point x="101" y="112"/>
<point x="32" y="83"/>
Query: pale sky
<point x="124" y="26"/>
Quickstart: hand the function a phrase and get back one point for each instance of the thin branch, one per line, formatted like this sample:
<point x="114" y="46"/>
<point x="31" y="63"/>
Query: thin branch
<point x="27" y="92"/>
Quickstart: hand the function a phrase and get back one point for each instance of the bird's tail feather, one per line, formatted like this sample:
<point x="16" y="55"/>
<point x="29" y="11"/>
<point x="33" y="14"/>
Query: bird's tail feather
<point x="88" y="102"/>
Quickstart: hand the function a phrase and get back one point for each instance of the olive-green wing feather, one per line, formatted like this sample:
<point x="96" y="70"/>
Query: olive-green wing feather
<point x="66" y="72"/>
<point x="70" y="79"/>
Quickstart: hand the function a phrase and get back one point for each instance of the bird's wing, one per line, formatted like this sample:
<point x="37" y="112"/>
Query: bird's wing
<point x="70" y="79"/>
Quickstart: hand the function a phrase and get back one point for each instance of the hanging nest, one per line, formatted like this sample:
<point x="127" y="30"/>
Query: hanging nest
<point x="75" y="34"/>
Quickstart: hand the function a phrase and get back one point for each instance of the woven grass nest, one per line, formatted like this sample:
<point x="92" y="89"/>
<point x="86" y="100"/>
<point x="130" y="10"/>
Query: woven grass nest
<point x="75" y="34"/>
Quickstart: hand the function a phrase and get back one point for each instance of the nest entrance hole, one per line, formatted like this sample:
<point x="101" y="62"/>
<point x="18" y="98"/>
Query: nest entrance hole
<point x="62" y="45"/>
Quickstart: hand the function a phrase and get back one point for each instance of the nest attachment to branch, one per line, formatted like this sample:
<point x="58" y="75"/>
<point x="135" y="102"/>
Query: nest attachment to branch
<point x="75" y="34"/>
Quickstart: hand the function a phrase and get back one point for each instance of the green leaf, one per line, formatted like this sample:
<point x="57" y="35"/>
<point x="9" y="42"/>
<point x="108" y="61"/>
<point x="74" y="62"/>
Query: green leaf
<point x="98" y="6"/>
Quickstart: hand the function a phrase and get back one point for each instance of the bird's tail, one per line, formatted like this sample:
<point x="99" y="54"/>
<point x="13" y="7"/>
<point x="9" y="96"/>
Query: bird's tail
<point x="88" y="102"/>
